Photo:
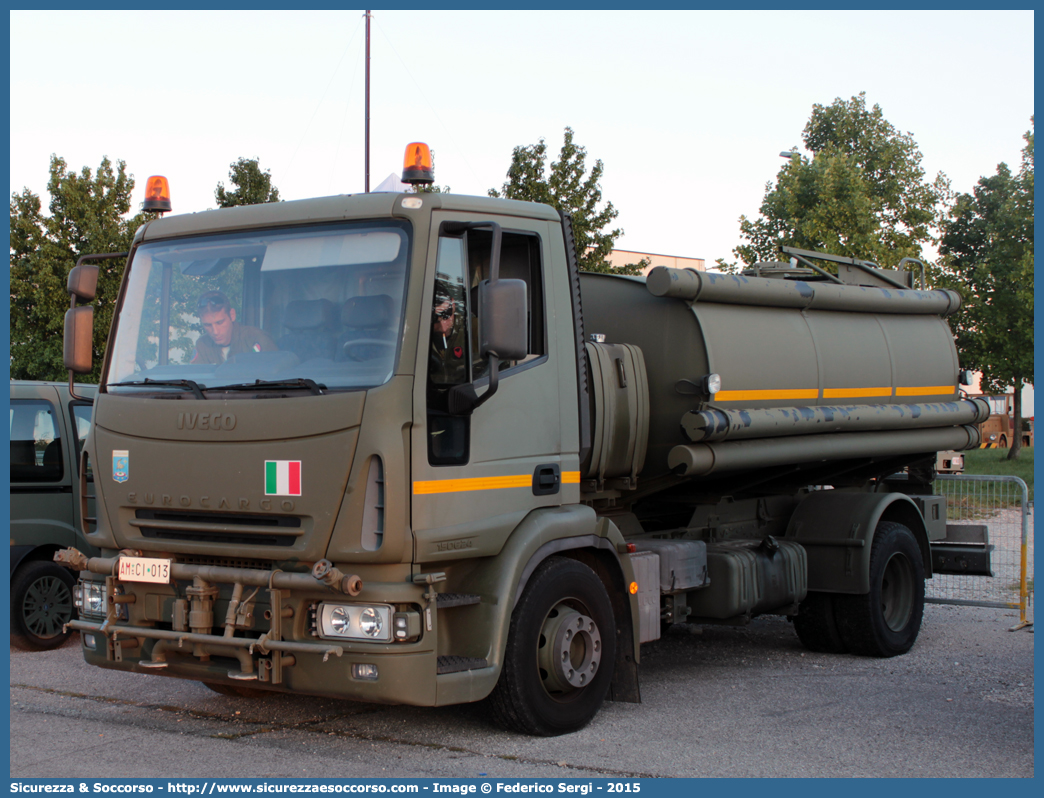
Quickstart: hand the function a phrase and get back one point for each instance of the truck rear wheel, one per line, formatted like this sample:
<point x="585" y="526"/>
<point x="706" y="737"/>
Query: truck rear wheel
<point x="816" y="627"/>
<point x="560" y="652"/>
<point x="41" y="604"/>
<point x="885" y="621"/>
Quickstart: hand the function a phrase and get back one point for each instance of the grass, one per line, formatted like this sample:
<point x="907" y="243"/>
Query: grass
<point x="994" y="461"/>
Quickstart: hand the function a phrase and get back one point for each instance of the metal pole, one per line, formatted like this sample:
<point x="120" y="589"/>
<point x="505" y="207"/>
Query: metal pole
<point x="367" y="134"/>
<point x="1023" y="557"/>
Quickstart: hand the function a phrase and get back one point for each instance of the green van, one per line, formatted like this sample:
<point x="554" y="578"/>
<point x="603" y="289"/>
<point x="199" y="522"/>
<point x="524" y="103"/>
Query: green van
<point x="48" y="427"/>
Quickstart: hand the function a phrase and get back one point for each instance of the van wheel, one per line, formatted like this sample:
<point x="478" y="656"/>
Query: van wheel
<point x="560" y="652"/>
<point x="816" y="627"/>
<point x="236" y="691"/>
<point x="885" y="621"/>
<point x="41" y="604"/>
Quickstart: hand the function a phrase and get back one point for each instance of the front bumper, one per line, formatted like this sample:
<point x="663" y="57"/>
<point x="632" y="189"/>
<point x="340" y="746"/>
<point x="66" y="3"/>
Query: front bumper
<point x="176" y="630"/>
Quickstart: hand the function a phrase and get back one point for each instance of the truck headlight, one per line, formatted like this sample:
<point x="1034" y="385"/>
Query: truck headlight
<point x="355" y="621"/>
<point x="370" y="622"/>
<point x="90" y="599"/>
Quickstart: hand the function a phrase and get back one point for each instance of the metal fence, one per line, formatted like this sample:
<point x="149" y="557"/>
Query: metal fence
<point x="1000" y="503"/>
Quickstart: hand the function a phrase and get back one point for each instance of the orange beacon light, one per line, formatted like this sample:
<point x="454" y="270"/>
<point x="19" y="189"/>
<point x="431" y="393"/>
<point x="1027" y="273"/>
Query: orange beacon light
<point x="416" y="164"/>
<point x="157" y="194"/>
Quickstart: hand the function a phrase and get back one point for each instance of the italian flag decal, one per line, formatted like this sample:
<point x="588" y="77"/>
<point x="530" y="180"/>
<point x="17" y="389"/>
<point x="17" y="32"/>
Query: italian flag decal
<point x="282" y="477"/>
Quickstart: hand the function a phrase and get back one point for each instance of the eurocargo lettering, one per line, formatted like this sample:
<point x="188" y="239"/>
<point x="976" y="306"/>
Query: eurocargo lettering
<point x="397" y="448"/>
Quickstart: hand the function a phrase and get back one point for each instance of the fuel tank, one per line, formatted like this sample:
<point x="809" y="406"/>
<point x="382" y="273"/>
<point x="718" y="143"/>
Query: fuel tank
<point x="875" y="368"/>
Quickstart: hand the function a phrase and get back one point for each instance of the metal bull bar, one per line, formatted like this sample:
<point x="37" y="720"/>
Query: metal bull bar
<point x="324" y="577"/>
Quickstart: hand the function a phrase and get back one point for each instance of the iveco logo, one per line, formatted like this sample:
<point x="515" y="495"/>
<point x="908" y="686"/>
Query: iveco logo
<point x="215" y="421"/>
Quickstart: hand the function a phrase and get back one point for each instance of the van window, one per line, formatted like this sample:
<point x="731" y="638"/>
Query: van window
<point x="36" y="446"/>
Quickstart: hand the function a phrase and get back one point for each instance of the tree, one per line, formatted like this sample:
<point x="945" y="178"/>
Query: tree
<point x="569" y="189"/>
<point x="987" y="249"/>
<point x="861" y="194"/>
<point x="88" y="215"/>
<point x="252" y="186"/>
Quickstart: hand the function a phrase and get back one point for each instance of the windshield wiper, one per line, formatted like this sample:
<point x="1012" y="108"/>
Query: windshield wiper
<point x="187" y="385"/>
<point x="301" y="382"/>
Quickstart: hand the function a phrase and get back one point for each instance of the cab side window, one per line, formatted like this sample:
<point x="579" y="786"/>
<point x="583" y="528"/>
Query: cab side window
<point x="36" y="446"/>
<point x="449" y="355"/>
<point x="519" y="260"/>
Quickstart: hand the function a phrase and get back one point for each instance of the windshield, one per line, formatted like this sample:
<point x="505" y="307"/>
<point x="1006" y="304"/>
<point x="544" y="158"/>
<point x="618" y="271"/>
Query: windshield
<point x="320" y="304"/>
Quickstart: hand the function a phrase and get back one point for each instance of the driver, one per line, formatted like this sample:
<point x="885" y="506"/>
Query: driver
<point x="448" y="365"/>
<point x="223" y="337"/>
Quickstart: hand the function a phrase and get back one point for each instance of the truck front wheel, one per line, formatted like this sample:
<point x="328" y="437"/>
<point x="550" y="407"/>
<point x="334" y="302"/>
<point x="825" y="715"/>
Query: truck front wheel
<point x="560" y="652"/>
<point x="885" y="621"/>
<point x="41" y="604"/>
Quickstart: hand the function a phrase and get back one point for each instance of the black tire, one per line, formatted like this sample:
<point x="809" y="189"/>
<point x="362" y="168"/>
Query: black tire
<point x="560" y="653"/>
<point x="41" y="604"/>
<point x="816" y="627"/>
<point x="236" y="691"/>
<point x="885" y="621"/>
<point x="1003" y="442"/>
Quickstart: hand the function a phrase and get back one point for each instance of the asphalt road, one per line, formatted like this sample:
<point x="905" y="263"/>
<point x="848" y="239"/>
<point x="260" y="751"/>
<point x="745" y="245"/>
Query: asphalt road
<point x="733" y="702"/>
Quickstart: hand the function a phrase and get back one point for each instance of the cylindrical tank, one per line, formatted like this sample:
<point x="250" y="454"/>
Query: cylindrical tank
<point x="775" y="344"/>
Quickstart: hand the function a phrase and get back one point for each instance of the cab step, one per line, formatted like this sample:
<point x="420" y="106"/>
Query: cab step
<point x="447" y="600"/>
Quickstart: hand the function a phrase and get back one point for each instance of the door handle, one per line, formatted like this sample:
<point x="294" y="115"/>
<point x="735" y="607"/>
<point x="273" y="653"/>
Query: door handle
<point x="547" y="479"/>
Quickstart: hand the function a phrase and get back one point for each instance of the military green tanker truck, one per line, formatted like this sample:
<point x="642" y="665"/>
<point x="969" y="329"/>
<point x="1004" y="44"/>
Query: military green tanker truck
<point x="396" y="448"/>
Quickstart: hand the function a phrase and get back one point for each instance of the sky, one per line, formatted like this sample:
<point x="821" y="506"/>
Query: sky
<point x="688" y="110"/>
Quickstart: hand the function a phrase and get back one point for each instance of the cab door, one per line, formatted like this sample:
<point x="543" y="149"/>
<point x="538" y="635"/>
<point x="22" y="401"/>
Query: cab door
<point x="476" y="476"/>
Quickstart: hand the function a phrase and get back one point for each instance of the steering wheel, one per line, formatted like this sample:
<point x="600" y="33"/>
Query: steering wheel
<point x="355" y="349"/>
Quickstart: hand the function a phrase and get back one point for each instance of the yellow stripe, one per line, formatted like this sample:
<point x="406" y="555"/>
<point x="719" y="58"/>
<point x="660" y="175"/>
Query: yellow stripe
<point x="485" y="483"/>
<point x="772" y="395"/>
<point x="849" y="393"/>
<point x="926" y="390"/>
<point x="475" y="483"/>
<point x="766" y="396"/>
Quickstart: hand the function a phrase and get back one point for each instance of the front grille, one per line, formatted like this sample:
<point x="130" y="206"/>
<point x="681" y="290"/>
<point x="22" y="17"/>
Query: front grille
<point x="181" y="517"/>
<point x="235" y="529"/>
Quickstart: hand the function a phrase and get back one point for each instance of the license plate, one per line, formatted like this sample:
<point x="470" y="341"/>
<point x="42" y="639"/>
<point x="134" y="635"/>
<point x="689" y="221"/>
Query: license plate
<point x="144" y="569"/>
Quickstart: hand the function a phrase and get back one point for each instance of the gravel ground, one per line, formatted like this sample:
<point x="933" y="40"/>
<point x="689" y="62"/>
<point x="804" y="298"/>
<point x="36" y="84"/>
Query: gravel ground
<point x="724" y="701"/>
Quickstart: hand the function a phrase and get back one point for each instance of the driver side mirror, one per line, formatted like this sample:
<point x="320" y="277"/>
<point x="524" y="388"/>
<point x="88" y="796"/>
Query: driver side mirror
<point x="502" y="319"/>
<point x="79" y="321"/>
<point x="79" y="339"/>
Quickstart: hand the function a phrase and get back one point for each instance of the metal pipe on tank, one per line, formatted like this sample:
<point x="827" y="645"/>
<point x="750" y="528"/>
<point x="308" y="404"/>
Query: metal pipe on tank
<point x="736" y="289"/>
<point x="698" y="459"/>
<point x="716" y="424"/>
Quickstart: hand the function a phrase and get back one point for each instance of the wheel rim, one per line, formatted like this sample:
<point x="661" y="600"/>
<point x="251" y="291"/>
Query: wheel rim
<point x="569" y="651"/>
<point x="897" y="592"/>
<point x="47" y="606"/>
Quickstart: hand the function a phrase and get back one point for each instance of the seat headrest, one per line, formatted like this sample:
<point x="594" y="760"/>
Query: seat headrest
<point x="368" y="311"/>
<point x="309" y="314"/>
